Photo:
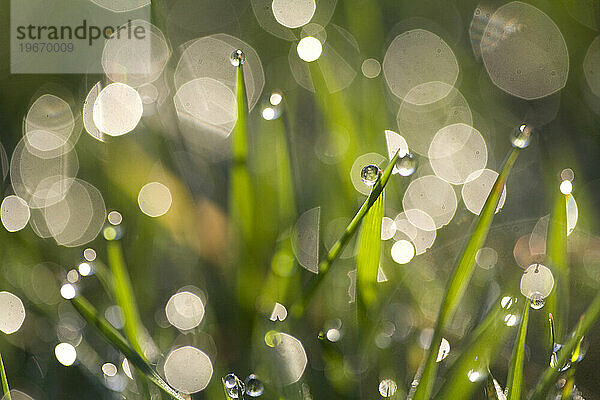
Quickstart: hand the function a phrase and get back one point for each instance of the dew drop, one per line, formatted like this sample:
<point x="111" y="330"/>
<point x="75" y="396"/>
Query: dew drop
<point x="536" y="300"/>
<point x="406" y="165"/>
<point x="387" y="388"/>
<point x="237" y="58"/>
<point x="230" y="381"/>
<point x="521" y="136"/>
<point x="370" y="174"/>
<point x="254" y="387"/>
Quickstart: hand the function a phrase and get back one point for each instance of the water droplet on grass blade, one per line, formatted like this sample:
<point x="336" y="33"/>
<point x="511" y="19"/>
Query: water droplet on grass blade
<point x="254" y="387"/>
<point x="387" y="388"/>
<point x="536" y="300"/>
<point x="230" y="381"/>
<point x="238" y="58"/>
<point x="521" y="136"/>
<point x="406" y="164"/>
<point x="370" y="174"/>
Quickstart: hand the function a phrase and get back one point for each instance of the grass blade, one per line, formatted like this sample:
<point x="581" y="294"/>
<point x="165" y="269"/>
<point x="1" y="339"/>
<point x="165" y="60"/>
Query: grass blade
<point x="558" y="301"/>
<point x="587" y="320"/>
<point x="5" y="388"/>
<point x="515" y="371"/>
<point x="240" y="200"/>
<point x="124" y="296"/>
<point x="300" y="306"/>
<point x="478" y="352"/>
<point x="369" y="251"/>
<point x="461" y="277"/>
<point x="91" y="315"/>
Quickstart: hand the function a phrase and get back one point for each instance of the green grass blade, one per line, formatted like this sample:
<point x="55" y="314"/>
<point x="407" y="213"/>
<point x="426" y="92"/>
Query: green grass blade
<point x="477" y="353"/>
<point x="369" y="251"/>
<point x="300" y="306"/>
<point x="124" y="296"/>
<point x="558" y="301"/>
<point x="549" y="376"/>
<point x="5" y="388"/>
<point x="241" y="207"/>
<point x="461" y="276"/>
<point x="91" y="315"/>
<point x="515" y="371"/>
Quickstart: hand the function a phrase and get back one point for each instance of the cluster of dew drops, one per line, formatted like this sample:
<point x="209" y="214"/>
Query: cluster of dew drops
<point x="236" y="389"/>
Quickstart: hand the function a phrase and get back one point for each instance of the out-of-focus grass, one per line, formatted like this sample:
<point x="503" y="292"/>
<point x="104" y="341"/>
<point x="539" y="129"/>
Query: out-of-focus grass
<point x="461" y="276"/>
<point x="124" y="296"/>
<point x="5" y="388"/>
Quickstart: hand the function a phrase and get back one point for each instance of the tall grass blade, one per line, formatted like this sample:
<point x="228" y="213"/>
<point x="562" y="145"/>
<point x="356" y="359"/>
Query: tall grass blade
<point x="515" y="371"/>
<point x="369" y="251"/>
<point x="461" y="276"/>
<point x="91" y="315"/>
<point x="550" y="374"/>
<point x="558" y="301"/>
<point x="124" y="296"/>
<point x="5" y="388"/>
<point x="241" y="199"/>
<point x="300" y="306"/>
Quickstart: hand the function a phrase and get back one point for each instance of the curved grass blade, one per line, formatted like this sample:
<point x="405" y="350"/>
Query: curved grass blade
<point x="558" y="301"/>
<point x="5" y="388"/>
<point x="91" y="315"/>
<point x="369" y="251"/>
<point x="300" y="306"/>
<point x="585" y="323"/>
<point x="461" y="276"/>
<point x="124" y="296"/>
<point x="515" y="371"/>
